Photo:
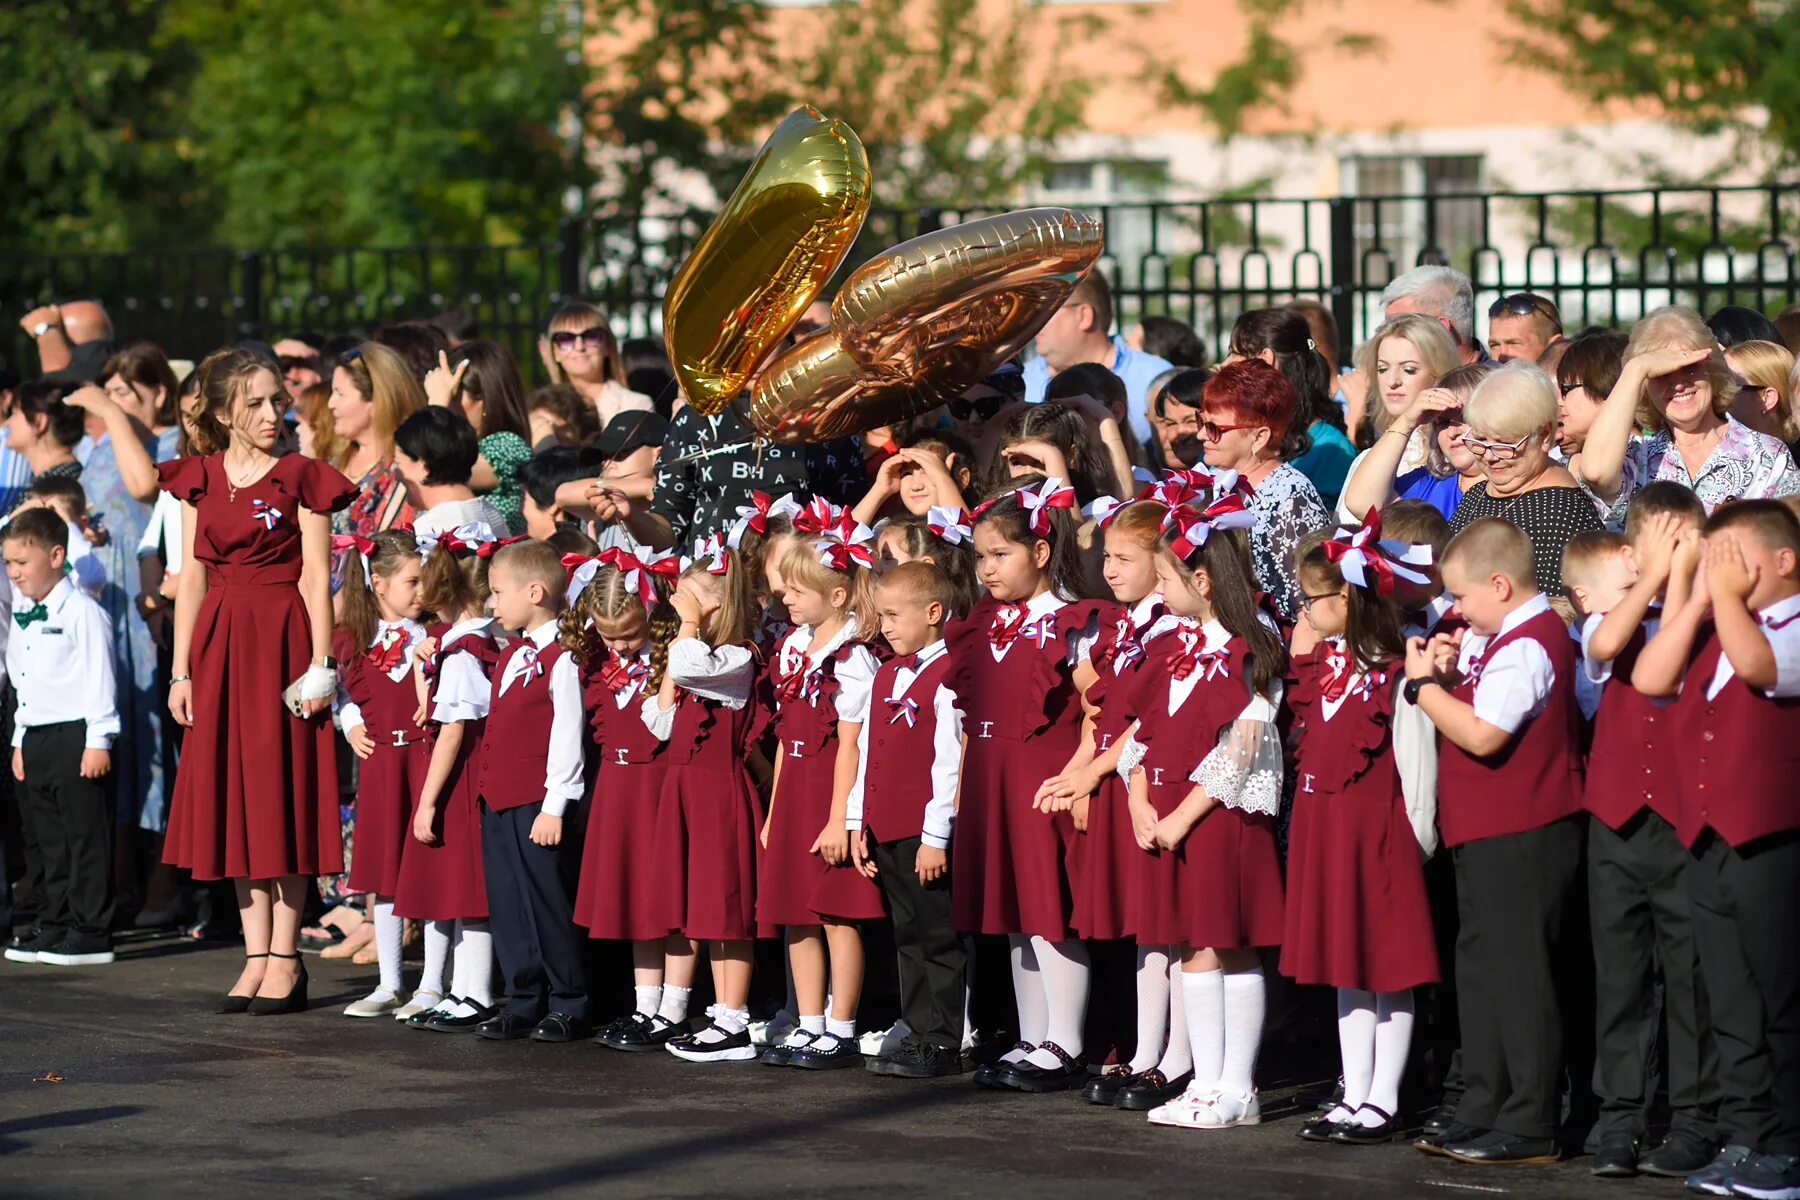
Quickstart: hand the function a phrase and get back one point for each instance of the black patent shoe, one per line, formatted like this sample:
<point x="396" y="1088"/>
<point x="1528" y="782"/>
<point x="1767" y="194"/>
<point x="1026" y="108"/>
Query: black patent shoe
<point x="1029" y="1077"/>
<point x="443" y="1022"/>
<point x="1316" y="1129"/>
<point x="506" y="1027"/>
<point x="653" y="1034"/>
<point x="293" y="1002"/>
<point x="1354" y="1133"/>
<point x="1104" y="1087"/>
<point x="561" y="1027"/>
<point x="1616" y="1157"/>
<point x="1442" y="1118"/>
<point x="987" y="1075"/>
<point x="1496" y="1148"/>
<point x="1150" y="1089"/>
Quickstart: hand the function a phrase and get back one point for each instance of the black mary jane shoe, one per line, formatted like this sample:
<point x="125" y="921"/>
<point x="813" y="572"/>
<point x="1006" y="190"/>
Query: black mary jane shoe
<point x="276" y="1006"/>
<point x="422" y="1020"/>
<point x="653" y="1034"/>
<point x="1355" y="1133"/>
<point x="1029" y="1077"/>
<point x="1150" y="1089"/>
<point x="1104" y="1087"/>
<point x="506" y="1027"/>
<point x="233" y="1004"/>
<point x="439" y="1021"/>
<point x="987" y="1075"/>
<point x="1316" y="1129"/>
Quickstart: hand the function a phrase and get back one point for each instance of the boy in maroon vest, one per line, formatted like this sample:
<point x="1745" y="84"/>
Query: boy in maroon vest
<point x="531" y="772"/>
<point x="1638" y="906"/>
<point x="900" y="814"/>
<point x="1736" y="675"/>
<point x="1502" y="695"/>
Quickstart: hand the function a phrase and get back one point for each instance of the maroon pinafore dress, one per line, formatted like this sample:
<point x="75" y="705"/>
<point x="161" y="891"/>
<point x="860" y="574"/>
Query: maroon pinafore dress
<point x="393" y="775"/>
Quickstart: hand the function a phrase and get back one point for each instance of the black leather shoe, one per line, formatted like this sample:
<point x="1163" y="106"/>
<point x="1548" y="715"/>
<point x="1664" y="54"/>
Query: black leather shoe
<point x="439" y="1022"/>
<point x="987" y="1075"/>
<point x="1681" y="1154"/>
<point x="1316" y="1129"/>
<point x="1104" y="1087"/>
<point x="1354" y="1133"/>
<point x="232" y="1005"/>
<point x="1495" y="1148"/>
<point x="561" y="1027"/>
<point x="506" y="1027"/>
<point x="1028" y="1077"/>
<point x="275" y="1006"/>
<point x="1441" y="1119"/>
<point x="1150" y="1089"/>
<point x="1616" y="1157"/>
<point x="916" y="1058"/>
<point x="1434" y="1143"/>
<point x="653" y="1034"/>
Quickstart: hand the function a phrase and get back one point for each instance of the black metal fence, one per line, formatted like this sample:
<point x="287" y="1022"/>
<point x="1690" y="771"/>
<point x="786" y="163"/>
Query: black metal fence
<point x="1605" y="257"/>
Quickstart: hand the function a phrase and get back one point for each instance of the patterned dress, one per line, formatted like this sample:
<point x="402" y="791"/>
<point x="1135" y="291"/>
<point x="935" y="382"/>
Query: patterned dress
<point x="506" y="452"/>
<point x="1287" y="508"/>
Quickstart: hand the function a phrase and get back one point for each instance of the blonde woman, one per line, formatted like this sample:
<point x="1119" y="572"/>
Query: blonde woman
<point x="372" y="391"/>
<point x="1511" y="419"/>
<point x="1677" y="384"/>
<point x="1764" y="401"/>
<point x="581" y="349"/>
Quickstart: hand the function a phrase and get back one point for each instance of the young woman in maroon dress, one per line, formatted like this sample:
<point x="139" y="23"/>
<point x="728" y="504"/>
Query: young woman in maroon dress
<point x="822" y="673"/>
<point x="1204" y="765"/>
<point x="1357" y="915"/>
<point x="256" y="796"/>
<point x="619" y="628"/>
<point x="378" y="706"/>
<point x="1020" y="664"/>
<point x="443" y="880"/>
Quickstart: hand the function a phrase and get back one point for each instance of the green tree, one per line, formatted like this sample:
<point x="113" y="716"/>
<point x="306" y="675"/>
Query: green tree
<point x="1709" y="67"/>
<point x="377" y="121"/>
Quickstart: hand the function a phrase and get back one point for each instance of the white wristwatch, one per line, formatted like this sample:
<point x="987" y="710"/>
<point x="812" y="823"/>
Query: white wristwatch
<point x="41" y="328"/>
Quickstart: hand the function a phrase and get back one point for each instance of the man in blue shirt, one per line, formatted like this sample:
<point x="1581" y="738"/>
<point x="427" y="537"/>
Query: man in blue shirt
<point x="1080" y="333"/>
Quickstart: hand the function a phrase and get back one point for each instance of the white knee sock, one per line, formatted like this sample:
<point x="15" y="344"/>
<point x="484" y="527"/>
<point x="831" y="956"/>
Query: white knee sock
<point x="674" y="1008"/>
<point x="1152" y="1007"/>
<point x="1028" y="993"/>
<point x="437" y="952"/>
<point x="388" y="928"/>
<point x="474" y="975"/>
<point x="1178" y="1059"/>
<point x="1063" y="966"/>
<point x="1393" y="1040"/>
<point x="1356" y="1048"/>
<point x="1203" y="996"/>
<point x="1244" y="1002"/>
<point x="649" y="999"/>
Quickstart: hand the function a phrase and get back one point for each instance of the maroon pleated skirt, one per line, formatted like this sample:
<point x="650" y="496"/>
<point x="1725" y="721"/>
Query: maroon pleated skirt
<point x="707" y="824"/>
<point x="447" y="881"/>
<point x="621" y="891"/>
<point x="1110" y="858"/>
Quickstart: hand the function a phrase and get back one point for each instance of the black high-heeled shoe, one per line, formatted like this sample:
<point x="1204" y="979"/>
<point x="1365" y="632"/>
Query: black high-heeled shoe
<point x="293" y="1002"/>
<point x="234" y="1004"/>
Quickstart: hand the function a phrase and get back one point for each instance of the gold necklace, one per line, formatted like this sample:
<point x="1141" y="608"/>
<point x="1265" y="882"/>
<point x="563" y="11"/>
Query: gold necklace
<point x="233" y="485"/>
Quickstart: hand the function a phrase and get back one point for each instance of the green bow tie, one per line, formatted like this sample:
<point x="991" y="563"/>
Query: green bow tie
<point x="37" y="612"/>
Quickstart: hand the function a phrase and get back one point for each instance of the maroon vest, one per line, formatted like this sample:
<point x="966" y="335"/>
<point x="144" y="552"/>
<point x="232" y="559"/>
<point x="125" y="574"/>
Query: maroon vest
<point x="1740" y="756"/>
<point x="897" y="779"/>
<point x="1536" y="779"/>
<point x="1631" y="765"/>
<point x="515" y="746"/>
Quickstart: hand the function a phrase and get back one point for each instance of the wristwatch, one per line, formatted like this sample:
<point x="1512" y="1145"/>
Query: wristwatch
<point x="328" y="662"/>
<point x="41" y="328"/>
<point x="1414" y="687"/>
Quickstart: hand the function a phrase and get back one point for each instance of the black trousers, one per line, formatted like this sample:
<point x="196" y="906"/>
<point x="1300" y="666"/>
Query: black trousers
<point x="1642" y="918"/>
<point x="73" y="821"/>
<point x="532" y="920"/>
<point x="1747" y="927"/>
<point x="1510" y="894"/>
<point x="933" y="964"/>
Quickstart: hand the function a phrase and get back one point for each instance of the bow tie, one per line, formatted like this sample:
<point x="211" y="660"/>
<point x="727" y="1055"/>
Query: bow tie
<point x="389" y="649"/>
<point x="1212" y="663"/>
<point x="37" y="612"/>
<point x="907" y="662"/>
<point x="619" y="676"/>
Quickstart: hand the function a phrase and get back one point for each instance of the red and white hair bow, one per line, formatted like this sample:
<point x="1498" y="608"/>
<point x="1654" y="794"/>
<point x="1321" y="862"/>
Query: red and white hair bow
<point x="849" y="543"/>
<point x="641" y="574"/>
<point x="1372" y="564"/>
<point x="1188" y="527"/>
<point x="1180" y="486"/>
<point x="489" y="549"/>
<point x="365" y="547"/>
<point x="581" y="569"/>
<point x="1037" y="503"/>
<point x="818" y="516"/>
<point x="711" y="551"/>
<point x="1104" y="509"/>
<point x="950" y="524"/>
<point x="754" y="518"/>
<point x="470" y="536"/>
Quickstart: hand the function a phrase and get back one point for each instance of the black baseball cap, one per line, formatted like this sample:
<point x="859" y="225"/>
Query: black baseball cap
<point x="630" y="431"/>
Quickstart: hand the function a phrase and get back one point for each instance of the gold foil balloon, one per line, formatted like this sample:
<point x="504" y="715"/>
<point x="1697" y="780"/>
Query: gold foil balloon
<point x="777" y="241"/>
<point x="921" y="322"/>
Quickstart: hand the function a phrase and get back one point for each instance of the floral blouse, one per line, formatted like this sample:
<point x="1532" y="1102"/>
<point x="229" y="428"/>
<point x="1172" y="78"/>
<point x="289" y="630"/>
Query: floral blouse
<point x="1287" y="508"/>
<point x="1745" y="465"/>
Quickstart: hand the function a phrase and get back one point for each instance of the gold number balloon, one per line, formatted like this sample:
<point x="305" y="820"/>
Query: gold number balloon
<point x="779" y="237"/>
<point x="918" y="324"/>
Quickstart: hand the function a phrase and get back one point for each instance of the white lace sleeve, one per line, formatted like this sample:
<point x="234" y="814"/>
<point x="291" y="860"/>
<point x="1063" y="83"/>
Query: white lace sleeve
<point x="658" y="720"/>
<point x="1244" y="770"/>
<point x="1131" y="756"/>
<point x="724" y="674"/>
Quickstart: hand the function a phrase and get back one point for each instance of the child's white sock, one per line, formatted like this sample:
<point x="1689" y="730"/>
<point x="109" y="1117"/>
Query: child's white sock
<point x="813" y="1025"/>
<point x="475" y="964"/>
<point x="437" y="952"/>
<point x="842" y="1030"/>
<point x="1393" y="1041"/>
<point x="1356" y="1048"/>
<point x="1028" y="994"/>
<point x="1203" y="996"/>
<point x="1063" y="966"/>
<point x="731" y="1020"/>
<point x="1244" y="1001"/>
<point x="649" y="998"/>
<point x="1152" y="1007"/>
<point x="1178" y="1059"/>
<point x="388" y="930"/>
<point x="674" y="1007"/>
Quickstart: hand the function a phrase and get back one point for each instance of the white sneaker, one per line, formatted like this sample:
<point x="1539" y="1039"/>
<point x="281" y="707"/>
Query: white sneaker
<point x="375" y="1004"/>
<point x="420" y="1002"/>
<point x="881" y="1043"/>
<point x="773" y="1031"/>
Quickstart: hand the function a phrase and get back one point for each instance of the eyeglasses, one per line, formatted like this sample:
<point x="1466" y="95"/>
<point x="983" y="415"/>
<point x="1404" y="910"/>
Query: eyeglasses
<point x="1565" y="388"/>
<point x="1497" y="451"/>
<point x="1212" y="431"/>
<point x="587" y="337"/>
<point x="986" y="407"/>
<point x="1525" y="304"/>
<point x="1307" y="601"/>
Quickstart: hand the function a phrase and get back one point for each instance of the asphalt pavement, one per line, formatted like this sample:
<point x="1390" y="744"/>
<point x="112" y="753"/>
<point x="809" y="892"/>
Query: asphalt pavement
<point x="121" y="1082"/>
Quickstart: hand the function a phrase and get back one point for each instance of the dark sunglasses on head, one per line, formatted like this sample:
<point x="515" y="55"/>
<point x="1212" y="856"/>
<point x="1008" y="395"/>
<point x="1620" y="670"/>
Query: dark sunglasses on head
<point x="1525" y="304"/>
<point x="349" y="356"/>
<point x="566" y="338"/>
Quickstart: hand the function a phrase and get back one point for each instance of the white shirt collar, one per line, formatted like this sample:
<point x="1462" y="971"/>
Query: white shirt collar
<point x="1781" y="610"/>
<point x="1213" y="634"/>
<point x="845" y="633"/>
<point x="60" y="594"/>
<point x="930" y="654"/>
<point x="464" y="629"/>
<point x="1043" y="604"/>
<point x="1536" y="606"/>
<point x="1140" y="612"/>
<point x="543" y="635"/>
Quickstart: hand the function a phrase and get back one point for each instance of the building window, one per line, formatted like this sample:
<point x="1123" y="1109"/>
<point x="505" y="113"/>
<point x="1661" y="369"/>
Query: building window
<point x="1417" y="205"/>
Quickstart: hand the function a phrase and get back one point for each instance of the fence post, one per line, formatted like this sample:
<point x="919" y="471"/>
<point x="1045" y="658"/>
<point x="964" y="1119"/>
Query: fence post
<point x="250" y="285"/>
<point x="568" y="255"/>
<point x="1343" y="275"/>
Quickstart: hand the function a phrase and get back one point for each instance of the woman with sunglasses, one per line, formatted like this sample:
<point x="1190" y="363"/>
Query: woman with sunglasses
<point x="1248" y="414"/>
<point x="978" y="413"/>
<point x="1512" y="428"/>
<point x="1676" y="382"/>
<point x="581" y="349"/>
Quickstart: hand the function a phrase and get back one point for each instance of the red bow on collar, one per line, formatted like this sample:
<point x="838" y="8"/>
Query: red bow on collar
<point x="1009" y="625"/>
<point x="1195" y="656"/>
<point x="617" y="676"/>
<point x="389" y="650"/>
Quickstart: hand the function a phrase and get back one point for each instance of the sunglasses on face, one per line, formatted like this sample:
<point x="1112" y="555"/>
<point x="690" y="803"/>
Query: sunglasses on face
<point x="1212" y="431"/>
<point x="1496" y="451"/>
<point x="1525" y="304"/>
<point x="587" y="337"/>
<point x="291" y="362"/>
<point x="985" y="407"/>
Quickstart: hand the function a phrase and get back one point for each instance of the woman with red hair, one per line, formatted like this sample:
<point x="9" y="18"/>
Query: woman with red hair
<point x="1247" y="425"/>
